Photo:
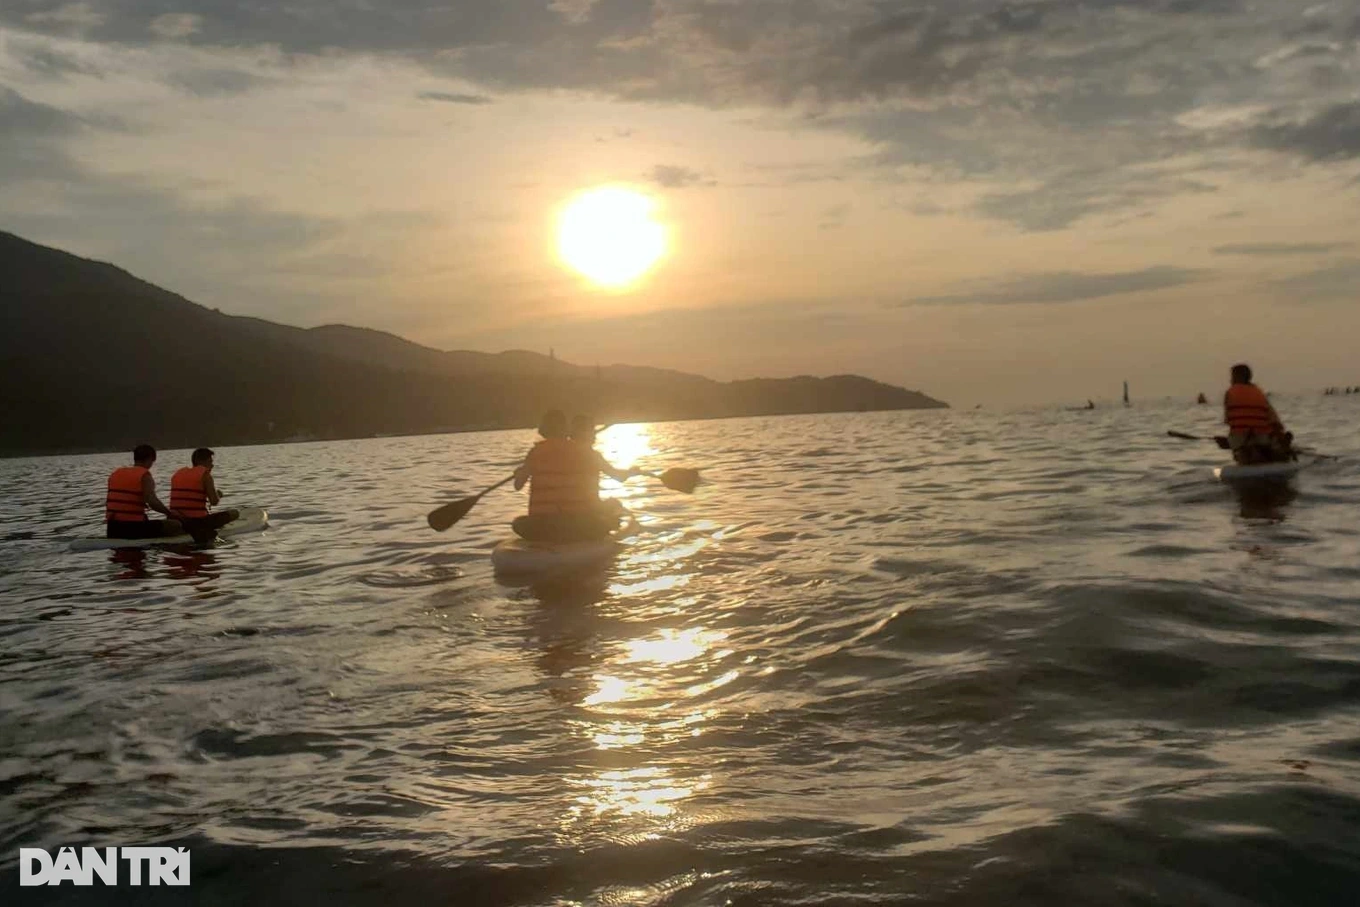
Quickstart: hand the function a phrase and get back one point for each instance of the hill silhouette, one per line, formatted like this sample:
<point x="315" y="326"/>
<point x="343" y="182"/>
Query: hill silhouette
<point x="93" y="358"/>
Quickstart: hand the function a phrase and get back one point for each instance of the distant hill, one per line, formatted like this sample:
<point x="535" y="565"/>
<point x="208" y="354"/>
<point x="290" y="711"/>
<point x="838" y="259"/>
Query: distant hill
<point x="91" y="358"/>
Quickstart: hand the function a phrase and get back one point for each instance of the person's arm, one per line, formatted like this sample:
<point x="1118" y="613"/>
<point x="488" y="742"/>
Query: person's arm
<point x="210" y="489"/>
<point x="525" y="471"/>
<point x="607" y="468"/>
<point x="149" y="497"/>
<point x="1275" y="421"/>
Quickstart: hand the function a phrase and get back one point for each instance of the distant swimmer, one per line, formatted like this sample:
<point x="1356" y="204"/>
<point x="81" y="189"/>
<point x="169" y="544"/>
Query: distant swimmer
<point x="1255" y="432"/>
<point x="193" y="492"/>
<point x="564" y="486"/>
<point x="131" y="491"/>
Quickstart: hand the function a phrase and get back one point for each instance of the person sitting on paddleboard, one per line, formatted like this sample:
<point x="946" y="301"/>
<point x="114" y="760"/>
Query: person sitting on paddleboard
<point x="1255" y="432"/>
<point x="131" y="491"/>
<point x="192" y="492"/>
<point x="583" y="433"/>
<point x="564" y="487"/>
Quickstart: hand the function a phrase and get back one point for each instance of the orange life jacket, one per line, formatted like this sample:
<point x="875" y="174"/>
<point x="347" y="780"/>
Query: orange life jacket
<point x="124" y="501"/>
<point x="1247" y="411"/>
<point x="187" y="494"/>
<point x="563" y="478"/>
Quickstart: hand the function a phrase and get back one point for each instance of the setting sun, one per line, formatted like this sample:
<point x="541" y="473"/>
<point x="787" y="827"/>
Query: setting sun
<point x="609" y="236"/>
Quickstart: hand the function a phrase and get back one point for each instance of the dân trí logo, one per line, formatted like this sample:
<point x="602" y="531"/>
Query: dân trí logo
<point x="143" y="865"/>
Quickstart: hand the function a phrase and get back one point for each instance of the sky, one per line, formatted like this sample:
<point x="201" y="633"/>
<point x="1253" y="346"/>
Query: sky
<point x="1006" y="203"/>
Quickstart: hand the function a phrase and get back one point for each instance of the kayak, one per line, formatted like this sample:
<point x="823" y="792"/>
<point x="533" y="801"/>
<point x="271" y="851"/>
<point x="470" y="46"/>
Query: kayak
<point x="514" y="555"/>
<point x="1257" y="471"/>
<point x="251" y="519"/>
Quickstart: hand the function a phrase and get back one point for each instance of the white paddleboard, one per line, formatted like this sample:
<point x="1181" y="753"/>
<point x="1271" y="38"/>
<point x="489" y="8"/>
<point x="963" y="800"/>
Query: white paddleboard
<point x="1238" y="473"/>
<point x="251" y="519"/>
<point x="514" y="555"/>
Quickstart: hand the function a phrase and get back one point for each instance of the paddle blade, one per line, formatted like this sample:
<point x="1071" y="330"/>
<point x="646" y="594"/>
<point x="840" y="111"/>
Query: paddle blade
<point x="1222" y="442"/>
<point x="442" y="518"/>
<point x="680" y="479"/>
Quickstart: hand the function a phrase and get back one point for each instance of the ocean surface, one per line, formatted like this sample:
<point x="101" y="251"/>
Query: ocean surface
<point x="927" y="658"/>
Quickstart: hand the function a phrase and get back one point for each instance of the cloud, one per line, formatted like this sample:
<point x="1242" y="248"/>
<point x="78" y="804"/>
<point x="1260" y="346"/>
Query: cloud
<point x="1071" y="195"/>
<point x="1338" y="280"/>
<point x="1278" y="248"/>
<point x="46" y="62"/>
<point x="454" y="97"/>
<point x="21" y="117"/>
<point x="175" y="25"/>
<point x="66" y="16"/>
<point x="213" y="82"/>
<point x="834" y="216"/>
<point x="1067" y="286"/>
<point x="33" y="134"/>
<point x="675" y="177"/>
<point x="1330" y="134"/>
<point x="1060" y="110"/>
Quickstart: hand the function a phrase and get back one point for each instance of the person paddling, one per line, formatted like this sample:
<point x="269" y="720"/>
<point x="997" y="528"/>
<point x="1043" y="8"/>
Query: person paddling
<point x="131" y="491"/>
<point x="583" y="433"/>
<point x="564" y="487"/>
<point x="193" y="492"/>
<point x="1255" y="432"/>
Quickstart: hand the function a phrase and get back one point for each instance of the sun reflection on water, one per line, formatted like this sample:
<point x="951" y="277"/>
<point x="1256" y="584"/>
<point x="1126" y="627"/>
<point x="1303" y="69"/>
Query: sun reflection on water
<point x="624" y="445"/>
<point x="638" y="719"/>
<point x="648" y="791"/>
<point x="672" y="646"/>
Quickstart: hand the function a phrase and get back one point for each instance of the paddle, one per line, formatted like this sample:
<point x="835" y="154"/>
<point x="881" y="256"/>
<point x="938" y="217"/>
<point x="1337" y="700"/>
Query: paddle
<point x="1217" y="439"/>
<point x="442" y="518"/>
<point x="1309" y="452"/>
<point x="676" y="478"/>
<point x="1223" y="443"/>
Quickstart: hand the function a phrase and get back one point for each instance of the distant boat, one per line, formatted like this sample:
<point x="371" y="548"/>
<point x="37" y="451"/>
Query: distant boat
<point x="1202" y="399"/>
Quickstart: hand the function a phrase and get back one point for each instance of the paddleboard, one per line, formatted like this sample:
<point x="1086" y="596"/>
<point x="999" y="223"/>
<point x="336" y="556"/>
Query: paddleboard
<point x="1274" y="471"/>
<point x="514" y="555"/>
<point x="252" y="519"/>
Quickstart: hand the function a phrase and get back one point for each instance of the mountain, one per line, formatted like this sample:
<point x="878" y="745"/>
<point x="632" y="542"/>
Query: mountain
<point x="92" y="358"/>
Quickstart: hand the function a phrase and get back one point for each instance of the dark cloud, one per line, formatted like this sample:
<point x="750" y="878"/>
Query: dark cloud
<point x="1025" y="94"/>
<point x="672" y="176"/>
<point x="1070" y="196"/>
<point x="47" y="62"/>
<point x="1278" y="248"/>
<point x="707" y="51"/>
<point x="449" y="97"/>
<point x="1067" y="286"/>
<point x="21" y="117"/>
<point x="1335" y="281"/>
<point x="210" y="83"/>
<point x="32" y="145"/>
<point x="1328" y="135"/>
<point x="834" y="216"/>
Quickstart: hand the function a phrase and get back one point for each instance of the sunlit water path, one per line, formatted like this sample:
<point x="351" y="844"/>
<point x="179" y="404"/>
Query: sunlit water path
<point x="924" y="657"/>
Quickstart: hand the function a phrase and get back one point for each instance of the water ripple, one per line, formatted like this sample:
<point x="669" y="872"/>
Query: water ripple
<point x="938" y="658"/>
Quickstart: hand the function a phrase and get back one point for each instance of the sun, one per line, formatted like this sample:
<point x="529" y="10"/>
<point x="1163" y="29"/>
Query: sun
<point x="609" y="236"/>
